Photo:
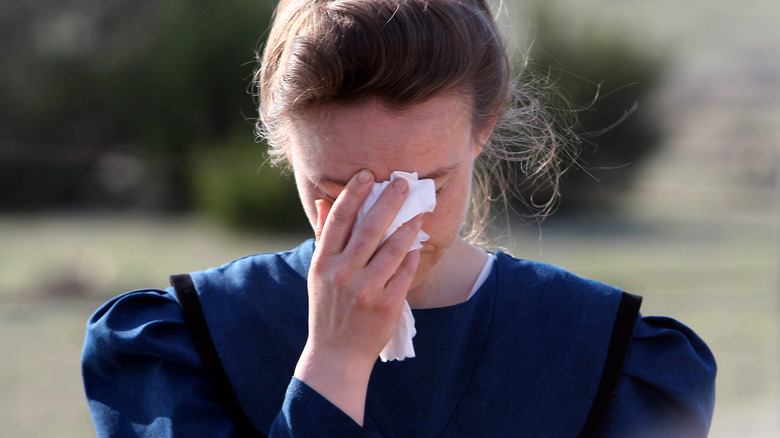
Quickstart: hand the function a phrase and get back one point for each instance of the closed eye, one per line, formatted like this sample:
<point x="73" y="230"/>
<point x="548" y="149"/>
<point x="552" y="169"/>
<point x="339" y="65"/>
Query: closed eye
<point x="326" y="194"/>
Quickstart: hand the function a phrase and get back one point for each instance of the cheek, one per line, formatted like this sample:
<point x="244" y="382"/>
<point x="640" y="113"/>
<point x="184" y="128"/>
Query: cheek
<point x="447" y="219"/>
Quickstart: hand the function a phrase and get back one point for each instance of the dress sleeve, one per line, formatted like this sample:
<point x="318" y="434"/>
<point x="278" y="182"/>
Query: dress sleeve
<point x="306" y="413"/>
<point x="143" y="378"/>
<point x="667" y="387"/>
<point x="142" y="375"/>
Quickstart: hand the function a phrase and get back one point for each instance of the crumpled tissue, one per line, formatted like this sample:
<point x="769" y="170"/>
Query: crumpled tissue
<point x="421" y="198"/>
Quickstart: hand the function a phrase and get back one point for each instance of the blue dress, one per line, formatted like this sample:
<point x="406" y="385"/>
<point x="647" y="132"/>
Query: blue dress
<point x="524" y="357"/>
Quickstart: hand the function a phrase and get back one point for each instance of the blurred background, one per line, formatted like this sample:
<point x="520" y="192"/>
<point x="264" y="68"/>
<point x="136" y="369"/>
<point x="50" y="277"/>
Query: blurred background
<point x="127" y="154"/>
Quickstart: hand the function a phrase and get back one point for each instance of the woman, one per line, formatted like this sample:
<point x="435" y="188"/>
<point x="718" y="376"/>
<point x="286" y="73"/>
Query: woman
<point x="287" y="344"/>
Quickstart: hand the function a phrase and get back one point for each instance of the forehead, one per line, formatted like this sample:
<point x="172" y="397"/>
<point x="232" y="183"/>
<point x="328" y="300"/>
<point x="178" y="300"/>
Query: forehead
<point x="335" y="141"/>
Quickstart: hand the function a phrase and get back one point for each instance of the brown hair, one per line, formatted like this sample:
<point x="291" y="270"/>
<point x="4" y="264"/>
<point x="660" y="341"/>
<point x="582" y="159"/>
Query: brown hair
<point x="404" y="52"/>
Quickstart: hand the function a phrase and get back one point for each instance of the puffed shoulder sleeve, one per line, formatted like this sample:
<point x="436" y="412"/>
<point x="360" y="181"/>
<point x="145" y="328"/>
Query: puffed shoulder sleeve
<point x="667" y="387"/>
<point x="143" y="377"/>
<point x="142" y="374"/>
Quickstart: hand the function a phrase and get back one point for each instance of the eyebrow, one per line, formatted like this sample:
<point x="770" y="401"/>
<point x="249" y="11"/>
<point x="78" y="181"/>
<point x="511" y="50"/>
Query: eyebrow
<point x="438" y="173"/>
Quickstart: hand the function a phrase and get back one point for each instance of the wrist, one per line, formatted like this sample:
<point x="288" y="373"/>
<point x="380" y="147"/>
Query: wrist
<point x="342" y="380"/>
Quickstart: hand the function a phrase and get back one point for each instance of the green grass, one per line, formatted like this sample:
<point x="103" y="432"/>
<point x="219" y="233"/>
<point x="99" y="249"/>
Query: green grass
<point x="40" y="388"/>
<point x="55" y="271"/>
<point x="718" y="275"/>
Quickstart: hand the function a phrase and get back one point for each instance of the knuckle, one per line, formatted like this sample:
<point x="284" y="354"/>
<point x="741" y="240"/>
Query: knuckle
<point x="319" y="261"/>
<point x="396" y="250"/>
<point x="361" y="297"/>
<point x="317" y="267"/>
<point x="341" y="277"/>
<point x="364" y="298"/>
<point x="369" y="229"/>
<point x="339" y="215"/>
<point x="387" y="304"/>
<point x="361" y="245"/>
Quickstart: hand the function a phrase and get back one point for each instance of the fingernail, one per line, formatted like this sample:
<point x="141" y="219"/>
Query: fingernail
<point x="364" y="176"/>
<point x="400" y="185"/>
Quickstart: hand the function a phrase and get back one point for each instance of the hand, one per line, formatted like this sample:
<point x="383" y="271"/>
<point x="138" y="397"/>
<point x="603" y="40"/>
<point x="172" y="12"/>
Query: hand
<point x="356" y="291"/>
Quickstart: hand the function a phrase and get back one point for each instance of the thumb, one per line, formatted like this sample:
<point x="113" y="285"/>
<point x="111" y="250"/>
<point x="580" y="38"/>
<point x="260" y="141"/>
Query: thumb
<point x="323" y="208"/>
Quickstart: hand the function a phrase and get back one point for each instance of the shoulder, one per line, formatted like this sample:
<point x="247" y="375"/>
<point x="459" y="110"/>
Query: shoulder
<point x="667" y="384"/>
<point x="150" y="321"/>
<point x="536" y="273"/>
<point x="555" y="305"/>
<point x="668" y="381"/>
<point x="140" y="362"/>
<point x="142" y="374"/>
<point x="137" y="332"/>
<point x="263" y="294"/>
<point x="528" y="281"/>
<point x="258" y="269"/>
<point x="657" y="336"/>
<point x="144" y="322"/>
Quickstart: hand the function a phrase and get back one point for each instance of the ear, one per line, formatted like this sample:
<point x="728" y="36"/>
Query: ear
<point x="477" y="150"/>
<point x="482" y="136"/>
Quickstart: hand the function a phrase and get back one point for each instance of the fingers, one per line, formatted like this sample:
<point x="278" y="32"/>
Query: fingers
<point x="356" y="283"/>
<point x="399" y="284"/>
<point x="337" y="227"/>
<point x="388" y="259"/>
<point x="362" y="246"/>
<point x="323" y="208"/>
<point x="368" y="235"/>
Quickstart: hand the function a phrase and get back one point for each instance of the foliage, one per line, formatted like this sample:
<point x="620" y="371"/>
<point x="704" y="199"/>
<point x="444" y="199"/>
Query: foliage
<point x="231" y="183"/>
<point x="605" y="80"/>
<point x="150" y="79"/>
<point x="144" y="105"/>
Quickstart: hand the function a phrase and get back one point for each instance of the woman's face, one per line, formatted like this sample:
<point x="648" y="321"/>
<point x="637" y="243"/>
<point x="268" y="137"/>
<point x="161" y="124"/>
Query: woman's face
<point x="434" y="139"/>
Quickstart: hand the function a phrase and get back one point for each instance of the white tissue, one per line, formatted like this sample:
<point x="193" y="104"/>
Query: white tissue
<point x="420" y="199"/>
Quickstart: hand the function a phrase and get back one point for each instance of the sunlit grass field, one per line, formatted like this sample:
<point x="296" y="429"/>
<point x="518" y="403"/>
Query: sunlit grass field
<point x="716" y="274"/>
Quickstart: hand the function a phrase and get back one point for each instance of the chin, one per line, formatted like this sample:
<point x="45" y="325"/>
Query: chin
<point x="429" y="256"/>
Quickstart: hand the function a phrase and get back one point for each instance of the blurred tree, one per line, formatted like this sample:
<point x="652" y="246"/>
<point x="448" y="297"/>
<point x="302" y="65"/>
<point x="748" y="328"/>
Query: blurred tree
<point x="605" y="78"/>
<point x="188" y="84"/>
<point x="144" y="104"/>
<point x="233" y="186"/>
<point x="140" y="79"/>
